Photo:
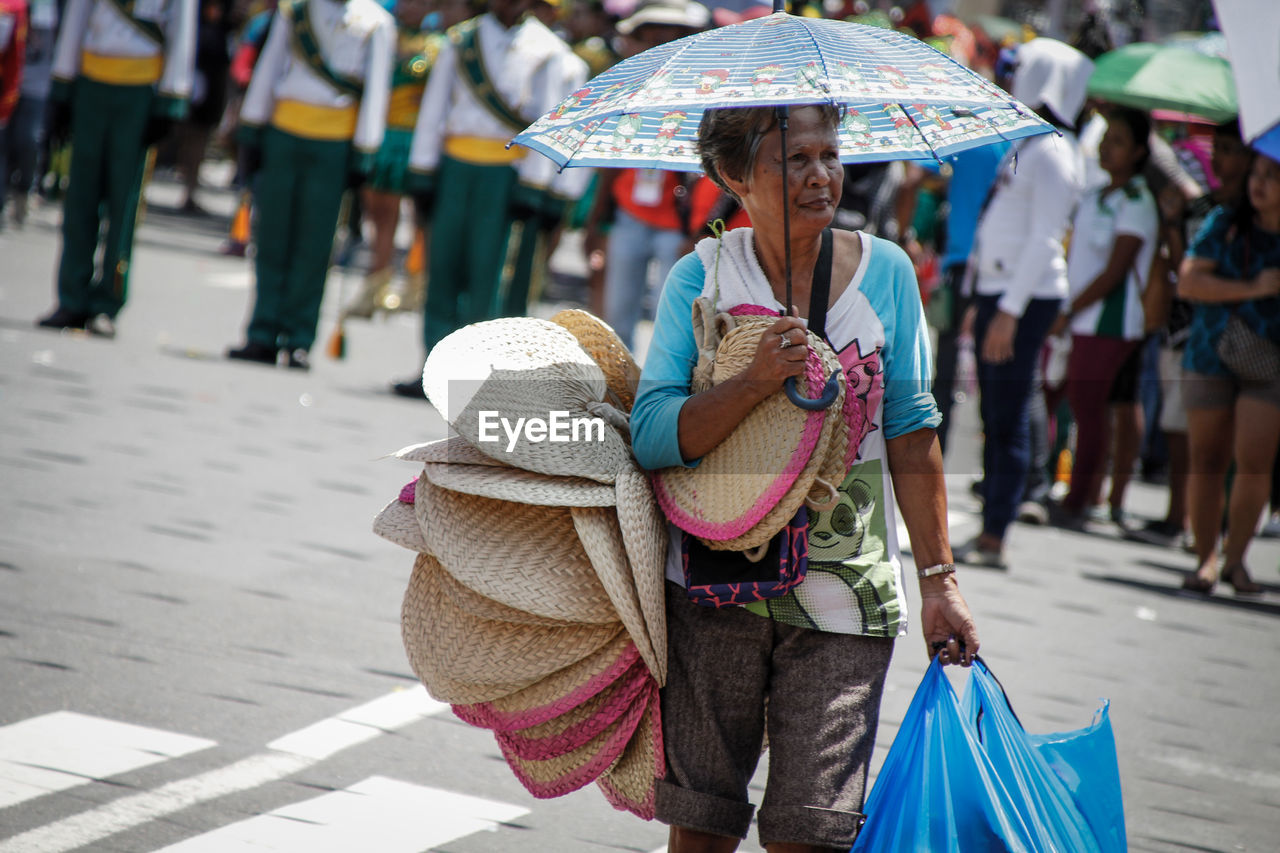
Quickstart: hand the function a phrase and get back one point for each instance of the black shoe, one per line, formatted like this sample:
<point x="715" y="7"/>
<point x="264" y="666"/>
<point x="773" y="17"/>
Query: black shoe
<point x="101" y="326"/>
<point x="410" y="388"/>
<point x="61" y="318"/>
<point x="254" y="351"/>
<point x="299" y="359"/>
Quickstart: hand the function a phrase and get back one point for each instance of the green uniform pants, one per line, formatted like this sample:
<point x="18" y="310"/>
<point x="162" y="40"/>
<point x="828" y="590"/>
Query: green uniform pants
<point x="107" y="162"/>
<point x="469" y="230"/>
<point x="298" y="193"/>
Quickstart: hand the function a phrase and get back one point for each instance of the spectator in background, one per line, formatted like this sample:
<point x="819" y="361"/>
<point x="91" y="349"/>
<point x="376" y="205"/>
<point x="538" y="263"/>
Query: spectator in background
<point x="208" y="97"/>
<point x="22" y="141"/>
<point x="1229" y="167"/>
<point x="1021" y="278"/>
<point x="13" y="50"/>
<point x="1112" y="246"/>
<point x="1232" y="272"/>
<point x="646" y="209"/>
<point x="970" y="175"/>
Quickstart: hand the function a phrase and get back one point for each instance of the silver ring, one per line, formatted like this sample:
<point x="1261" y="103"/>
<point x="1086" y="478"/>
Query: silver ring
<point x="786" y="342"/>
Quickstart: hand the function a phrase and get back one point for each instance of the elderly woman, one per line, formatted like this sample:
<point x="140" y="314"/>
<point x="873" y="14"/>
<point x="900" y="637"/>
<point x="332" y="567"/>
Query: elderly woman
<point x="818" y="655"/>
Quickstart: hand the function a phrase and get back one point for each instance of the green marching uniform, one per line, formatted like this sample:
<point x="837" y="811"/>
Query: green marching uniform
<point x="416" y="52"/>
<point x="315" y="111"/>
<point x="126" y="70"/>
<point x="489" y="83"/>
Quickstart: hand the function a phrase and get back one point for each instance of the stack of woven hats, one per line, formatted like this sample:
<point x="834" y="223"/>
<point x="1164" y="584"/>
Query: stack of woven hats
<point x="779" y="457"/>
<point x="535" y="606"/>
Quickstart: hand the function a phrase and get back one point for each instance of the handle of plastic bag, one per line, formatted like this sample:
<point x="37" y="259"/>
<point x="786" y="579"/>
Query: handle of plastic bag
<point x="985" y="668"/>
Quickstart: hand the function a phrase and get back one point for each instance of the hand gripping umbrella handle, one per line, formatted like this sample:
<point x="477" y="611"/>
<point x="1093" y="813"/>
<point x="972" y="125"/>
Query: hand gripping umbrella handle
<point x="828" y="396"/>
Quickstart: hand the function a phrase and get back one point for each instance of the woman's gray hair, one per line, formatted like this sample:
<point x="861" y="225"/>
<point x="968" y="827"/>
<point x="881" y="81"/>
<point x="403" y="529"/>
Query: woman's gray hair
<point x="729" y="139"/>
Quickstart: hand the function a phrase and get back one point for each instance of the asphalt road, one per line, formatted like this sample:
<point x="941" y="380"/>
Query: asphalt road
<point x="199" y="637"/>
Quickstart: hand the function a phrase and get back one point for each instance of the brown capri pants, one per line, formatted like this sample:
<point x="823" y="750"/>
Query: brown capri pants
<point x="823" y="692"/>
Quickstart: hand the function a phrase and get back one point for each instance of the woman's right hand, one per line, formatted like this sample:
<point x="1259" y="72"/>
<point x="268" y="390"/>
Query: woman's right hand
<point x="780" y="353"/>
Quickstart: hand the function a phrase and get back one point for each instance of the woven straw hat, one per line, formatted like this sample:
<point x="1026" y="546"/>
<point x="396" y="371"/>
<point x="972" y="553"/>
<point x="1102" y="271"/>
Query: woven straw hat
<point x="747" y="488"/>
<point x="630" y="784"/>
<point x="440" y="683"/>
<point x="601" y="539"/>
<point x="559" y="693"/>
<point x="453" y="463"/>
<point x="644" y="537"/>
<point x="607" y="350"/>
<point x="443" y="639"/>
<point x="398" y="523"/>
<point x="454" y="450"/>
<point x="561" y="774"/>
<point x="521" y="367"/>
<point x="526" y="557"/>
<point x="513" y="484"/>
<point x="579" y="725"/>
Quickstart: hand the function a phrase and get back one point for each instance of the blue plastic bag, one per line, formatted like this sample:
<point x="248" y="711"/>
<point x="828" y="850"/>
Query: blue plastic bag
<point x="966" y="777"/>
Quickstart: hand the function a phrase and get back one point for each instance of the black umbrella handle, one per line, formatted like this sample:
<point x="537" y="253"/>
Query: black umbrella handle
<point x="829" y="393"/>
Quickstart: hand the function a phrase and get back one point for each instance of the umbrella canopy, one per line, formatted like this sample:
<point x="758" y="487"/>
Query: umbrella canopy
<point x="1252" y="31"/>
<point x="1151" y="76"/>
<point x="904" y="99"/>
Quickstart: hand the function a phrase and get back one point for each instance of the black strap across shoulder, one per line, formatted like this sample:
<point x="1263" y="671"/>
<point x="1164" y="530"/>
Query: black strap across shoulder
<point x="820" y="293"/>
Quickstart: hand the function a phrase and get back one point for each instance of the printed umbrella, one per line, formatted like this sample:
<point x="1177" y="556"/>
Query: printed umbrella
<point x="1151" y="76"/>
<point x="903" y="100"/>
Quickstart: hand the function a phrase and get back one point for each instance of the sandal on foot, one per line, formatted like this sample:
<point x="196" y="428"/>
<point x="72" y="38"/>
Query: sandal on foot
<point x="1195" y="583"/>
<point x="1238" y="577"/>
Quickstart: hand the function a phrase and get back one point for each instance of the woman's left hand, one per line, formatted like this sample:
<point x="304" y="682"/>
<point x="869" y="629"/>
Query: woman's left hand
<point x="949" y="629"/>
<point x="1059" y="325"/>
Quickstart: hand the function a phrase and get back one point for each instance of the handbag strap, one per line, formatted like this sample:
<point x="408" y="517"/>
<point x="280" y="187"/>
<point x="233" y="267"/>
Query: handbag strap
<point x="821" y="289"/>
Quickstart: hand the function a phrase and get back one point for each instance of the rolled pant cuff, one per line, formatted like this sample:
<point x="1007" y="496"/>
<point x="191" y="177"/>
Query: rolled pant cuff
<point x="809" y="825"/>
<point x="676" y="806"/>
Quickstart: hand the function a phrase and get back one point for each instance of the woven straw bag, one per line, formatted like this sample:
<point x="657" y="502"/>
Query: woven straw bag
<point x="747" y="488"/>
<point x="521" y="370"/>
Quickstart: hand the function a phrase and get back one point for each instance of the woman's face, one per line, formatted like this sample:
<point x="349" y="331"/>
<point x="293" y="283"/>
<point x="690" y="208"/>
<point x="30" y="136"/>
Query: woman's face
<point x="814" y="175"/>
<point x="1229" y="160"/>
<point x="1264" y="186"/>
<point x="1118" y="152"/>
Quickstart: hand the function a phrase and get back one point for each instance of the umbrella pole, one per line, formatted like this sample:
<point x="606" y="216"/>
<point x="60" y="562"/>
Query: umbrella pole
<point x="786" y="208"/>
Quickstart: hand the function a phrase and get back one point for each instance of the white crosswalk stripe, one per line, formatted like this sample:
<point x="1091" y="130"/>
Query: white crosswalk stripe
<point x="61" y="750"/>
<point x="64" y="749"/>
<point x="404" y="818"/>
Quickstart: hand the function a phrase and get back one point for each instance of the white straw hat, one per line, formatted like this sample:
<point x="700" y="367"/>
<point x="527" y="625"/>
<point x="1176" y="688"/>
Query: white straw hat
<point x="523" y="391"/>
